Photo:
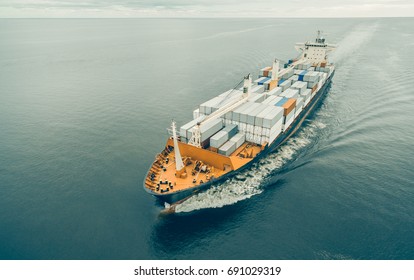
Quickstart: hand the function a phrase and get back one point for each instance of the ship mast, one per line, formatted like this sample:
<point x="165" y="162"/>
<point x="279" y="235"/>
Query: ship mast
<point x="179" y="165"/>
<point x="275" y="70"/>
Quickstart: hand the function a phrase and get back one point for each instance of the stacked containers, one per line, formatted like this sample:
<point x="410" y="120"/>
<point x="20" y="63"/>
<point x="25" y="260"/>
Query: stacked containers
<point x="257" y="97"/>
<point x="260" y="80"/>
<point x="275" y="91"/>
<point x="185" y="134"/>
<point x="219" y="139"/>
<point x="272" y="100"/>
<point x="306" y="95"/>
<point x="289" y="112"/>
<point x="223" y="135"/>
<point x="289" y="73"/>
<point x="263" y="80"/>
<point x="299" y="106"/>
<point x="231" y="130"/>
<point x="285" y="85"/>
<point x="264" y="72"/>
<point x="239" y="139"/>
<point x="294" y="78"/>
<point x="227" y="148"/>
<point x="207" y="129"/>
<point x="290" y="93"/>
<point x="301" y="75"/>
<point x="301" y="86"/>
<point x="258" y="89"/>
<point x="269" y="84"/>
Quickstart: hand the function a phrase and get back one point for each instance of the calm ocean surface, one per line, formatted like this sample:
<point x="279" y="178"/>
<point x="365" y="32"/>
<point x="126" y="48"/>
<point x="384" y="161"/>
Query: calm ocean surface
<point x="84" y="106"/>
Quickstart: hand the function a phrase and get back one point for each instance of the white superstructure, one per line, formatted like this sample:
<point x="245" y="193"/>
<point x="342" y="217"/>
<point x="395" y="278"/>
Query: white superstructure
<point x="315" y="52"/>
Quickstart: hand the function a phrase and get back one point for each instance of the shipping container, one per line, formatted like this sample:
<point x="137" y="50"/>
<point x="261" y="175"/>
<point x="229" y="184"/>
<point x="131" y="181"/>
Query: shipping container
<point x="272" y="117"/>
<point x="245" y="112"/>
<point x="289" y="73"/>
<point x="207" y="129"/>
<point x="257" y="97"/>
<point x="231" y="129"/>
<point x="238" y="139"/>
<point x="290" y="93"/>
<point x="258" y="89"/>
<point x="236" y="112"/>
<point x="285" y="85"/>
<point x="252" y="114"/>
<point x="184" y="128"/>
<point x="301" y="86"/>
<point x="258" y="121"/>
<point x="275" y="91"/>
<point x="280" y="102"/>
<point x="227" y="148"/>
<point x="219" y="139"/>
<point x="289" y="106"/>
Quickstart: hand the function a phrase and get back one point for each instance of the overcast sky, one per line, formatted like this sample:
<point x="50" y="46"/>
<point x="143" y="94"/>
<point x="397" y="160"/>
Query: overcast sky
<point x="206" y="8"/>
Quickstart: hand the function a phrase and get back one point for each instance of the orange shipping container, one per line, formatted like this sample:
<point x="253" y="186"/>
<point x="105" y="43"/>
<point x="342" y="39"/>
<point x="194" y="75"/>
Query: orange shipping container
<point x="314" y="88"/>
<point x="266" y="70"/>
<point x="323" y="64"/>
<point x="289" y="106"/>
<point x="272" y="84"/>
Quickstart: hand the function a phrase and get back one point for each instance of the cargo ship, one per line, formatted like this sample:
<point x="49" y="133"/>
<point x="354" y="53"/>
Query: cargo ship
<point x="233" y="130"/>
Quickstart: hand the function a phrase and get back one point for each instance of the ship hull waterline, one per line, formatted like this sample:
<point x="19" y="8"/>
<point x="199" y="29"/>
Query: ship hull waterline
<point x="182" y="195"/>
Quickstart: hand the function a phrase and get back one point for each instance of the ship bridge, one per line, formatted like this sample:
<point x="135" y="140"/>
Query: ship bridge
<point x="315" y="52"/>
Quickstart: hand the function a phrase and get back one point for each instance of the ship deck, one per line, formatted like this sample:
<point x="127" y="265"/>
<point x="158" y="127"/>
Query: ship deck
<point x="162" y="178"/>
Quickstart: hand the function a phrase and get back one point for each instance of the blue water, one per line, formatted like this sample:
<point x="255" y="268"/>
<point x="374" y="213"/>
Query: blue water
<point x="83" y="109"/>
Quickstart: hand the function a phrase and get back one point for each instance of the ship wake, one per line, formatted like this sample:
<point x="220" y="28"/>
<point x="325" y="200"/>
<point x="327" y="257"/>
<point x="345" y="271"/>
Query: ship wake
<point x="251" y="181"/>
<point x="353" y="41"/>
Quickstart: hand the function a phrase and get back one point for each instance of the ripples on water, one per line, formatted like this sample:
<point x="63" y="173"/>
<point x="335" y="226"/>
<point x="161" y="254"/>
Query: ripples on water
<point x="83" y="109"/>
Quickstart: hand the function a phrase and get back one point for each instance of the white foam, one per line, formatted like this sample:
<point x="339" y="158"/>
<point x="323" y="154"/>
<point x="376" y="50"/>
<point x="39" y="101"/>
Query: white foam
<point x="353" y="41"/>
<point x="248" y="183"/>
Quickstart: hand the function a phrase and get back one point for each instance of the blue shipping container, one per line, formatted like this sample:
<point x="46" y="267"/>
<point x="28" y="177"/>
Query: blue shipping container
<point x="281" y="102"/>
<point x="280" y="81"/>
<point x="263" y="81"/>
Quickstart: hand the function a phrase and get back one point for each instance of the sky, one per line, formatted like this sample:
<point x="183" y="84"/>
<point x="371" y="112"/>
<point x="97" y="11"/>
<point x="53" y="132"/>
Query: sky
<point x="204" y="8"/>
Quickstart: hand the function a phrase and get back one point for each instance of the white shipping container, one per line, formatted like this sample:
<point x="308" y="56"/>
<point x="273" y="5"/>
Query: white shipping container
<point x="270" y="100"/>
<point x="258" y="130"/>
<point x="184" y="128"/>
<point x="290" y="93"/>
<point x="272" y="117"/>
<point x="258" y="89"/>
<point x="245" y="113"/>
<point x="277" y="126"/>
<point x="252" y="114"/>
<point x="299" y="102"/>
<point x="294" y="78"/>
<point x="299" y="85"/>
<point x="260" y="80"/>
<point x="236" y="112"/>
<point x="219" y="139"/>
<point x="239" y="139"/>
<point x="275" y="91"/>
<point x="289" y="122"/>
<point x="306" y="94"/>
<point x="207" y="129"/>
<point x="257" y="97"/>
<point x="227" y="148"/>
<point x="298" y="111"/>
<point x="258" y="121"/>
<point x="285" y="85"/>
